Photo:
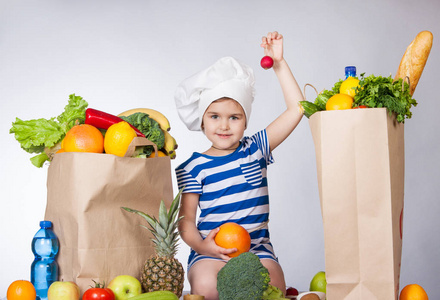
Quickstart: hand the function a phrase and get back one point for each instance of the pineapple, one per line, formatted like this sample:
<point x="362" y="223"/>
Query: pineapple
<point x="162" y="272"/>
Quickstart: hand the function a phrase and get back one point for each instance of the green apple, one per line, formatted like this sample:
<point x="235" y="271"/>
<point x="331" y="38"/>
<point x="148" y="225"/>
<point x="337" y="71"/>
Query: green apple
<point x="319" y="282"/>
<point x="63" y="290"/>
<point x="125" y="286"/>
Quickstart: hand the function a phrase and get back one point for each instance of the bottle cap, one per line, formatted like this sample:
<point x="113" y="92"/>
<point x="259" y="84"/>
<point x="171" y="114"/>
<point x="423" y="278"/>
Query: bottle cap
<point x="45" y="224"/>
<point x="350" y="71"/>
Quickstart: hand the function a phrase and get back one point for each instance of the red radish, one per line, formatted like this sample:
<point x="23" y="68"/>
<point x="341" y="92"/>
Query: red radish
<point x="291" y="291"/>
<point x="266" y="62"/>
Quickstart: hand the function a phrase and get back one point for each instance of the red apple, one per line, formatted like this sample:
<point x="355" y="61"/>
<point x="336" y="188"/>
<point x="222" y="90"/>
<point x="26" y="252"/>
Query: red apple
<point x="291" y="291"/>
<point x="266" y="62"/>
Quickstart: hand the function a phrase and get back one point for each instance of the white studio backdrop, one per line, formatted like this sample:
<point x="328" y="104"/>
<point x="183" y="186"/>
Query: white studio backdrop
<point x="120" y="55"/>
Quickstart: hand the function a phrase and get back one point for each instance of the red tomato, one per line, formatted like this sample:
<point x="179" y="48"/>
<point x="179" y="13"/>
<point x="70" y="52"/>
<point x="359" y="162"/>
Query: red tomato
<point x="361" y="106"/>
<point x="98" y="293"/>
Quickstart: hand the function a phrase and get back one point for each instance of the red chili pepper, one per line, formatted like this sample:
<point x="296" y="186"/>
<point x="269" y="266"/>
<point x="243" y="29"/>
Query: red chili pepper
<point x="361" y="106"/>
<point x="103" y="120"/>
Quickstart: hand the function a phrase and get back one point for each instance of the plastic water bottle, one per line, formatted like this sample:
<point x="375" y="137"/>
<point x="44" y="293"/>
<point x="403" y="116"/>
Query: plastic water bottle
<point x="44" y="269"/>
<point x="350" y="71"/>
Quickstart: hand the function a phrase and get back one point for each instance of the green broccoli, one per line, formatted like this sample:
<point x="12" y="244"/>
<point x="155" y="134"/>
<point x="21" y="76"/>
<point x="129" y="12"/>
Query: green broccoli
<point x="150" y="128"/>
<point x="245" y="278"/>
<point x="272" y="292"/>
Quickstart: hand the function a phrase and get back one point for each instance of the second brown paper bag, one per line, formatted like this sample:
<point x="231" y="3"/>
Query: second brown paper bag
<point x="360" y="167"/>
<point x="98" y="240"/>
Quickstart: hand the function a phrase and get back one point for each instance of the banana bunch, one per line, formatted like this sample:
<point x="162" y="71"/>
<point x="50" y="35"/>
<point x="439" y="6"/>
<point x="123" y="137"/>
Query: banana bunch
<point x="170" y="146"/>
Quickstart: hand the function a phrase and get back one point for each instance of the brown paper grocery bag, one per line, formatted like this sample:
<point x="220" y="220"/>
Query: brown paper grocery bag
<point x="360" y="167"/>
<point x="85" y="192"/>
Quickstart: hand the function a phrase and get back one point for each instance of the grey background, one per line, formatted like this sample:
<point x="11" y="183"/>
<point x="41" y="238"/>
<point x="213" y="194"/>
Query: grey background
<point x="120" y="55"/>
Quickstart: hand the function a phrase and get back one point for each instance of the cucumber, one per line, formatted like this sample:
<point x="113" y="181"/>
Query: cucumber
<point x="156" y="295"/>
<point x="309" y="108"/>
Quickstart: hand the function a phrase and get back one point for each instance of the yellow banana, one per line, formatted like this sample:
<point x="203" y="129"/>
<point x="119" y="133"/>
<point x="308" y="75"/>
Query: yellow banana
<point x="154" y="114"/>
<point x="173" y="155"/>
<point x="170" y="143"/>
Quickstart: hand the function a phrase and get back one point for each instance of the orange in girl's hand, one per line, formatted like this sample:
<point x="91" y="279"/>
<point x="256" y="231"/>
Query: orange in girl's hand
<point x="83" y="138"/>
<point x="21" y="290"/>
<point x="232" y="235"/>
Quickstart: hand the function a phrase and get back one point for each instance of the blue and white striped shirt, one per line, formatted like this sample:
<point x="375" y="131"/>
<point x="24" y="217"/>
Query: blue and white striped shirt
<point x="232" y="188"/>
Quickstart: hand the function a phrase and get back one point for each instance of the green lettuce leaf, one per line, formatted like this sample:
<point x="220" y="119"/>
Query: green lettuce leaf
<point x="37" y="134"/>
<point x="74" y="111"/>
<point x="38" y="160"/>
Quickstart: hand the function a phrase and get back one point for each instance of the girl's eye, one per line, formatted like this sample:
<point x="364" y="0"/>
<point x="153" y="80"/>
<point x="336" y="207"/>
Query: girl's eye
<point x="214" y="117"/>
<point x="234" y="118"/>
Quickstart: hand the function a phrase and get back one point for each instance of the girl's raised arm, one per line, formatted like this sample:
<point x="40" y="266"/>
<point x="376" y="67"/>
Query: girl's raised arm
<point x="283" y="125"/>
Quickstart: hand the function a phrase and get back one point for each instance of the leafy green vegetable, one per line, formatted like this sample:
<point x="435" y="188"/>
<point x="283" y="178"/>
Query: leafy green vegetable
<point x="150" y="128"/>
<point x="243" y="277"/>
<point x="37" y="134"/>
<point x="74" y="111"/>
<point x="373" y="91"/>
<point x="378" y="91"/>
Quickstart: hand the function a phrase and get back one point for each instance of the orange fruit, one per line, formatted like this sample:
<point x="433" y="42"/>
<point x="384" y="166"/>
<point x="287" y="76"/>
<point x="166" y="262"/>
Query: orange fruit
<point x="232" y="235"/>
<point x="412" y="292"/>
<point x="83" y="138"/>
<point x="21" y="290"/>
<point x="118" y="137"/>
<point x="339" y="101"/>
<point x="159" y="154"/>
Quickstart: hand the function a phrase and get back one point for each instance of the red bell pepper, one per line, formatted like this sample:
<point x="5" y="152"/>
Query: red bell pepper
<point x="103" y="120"/>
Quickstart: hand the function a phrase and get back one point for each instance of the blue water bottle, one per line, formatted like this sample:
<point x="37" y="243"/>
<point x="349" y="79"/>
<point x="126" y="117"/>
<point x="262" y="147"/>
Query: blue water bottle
<point x="350" y="71"/>
<point x="44" y="269"/>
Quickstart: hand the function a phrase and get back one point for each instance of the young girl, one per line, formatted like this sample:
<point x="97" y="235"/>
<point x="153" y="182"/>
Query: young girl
<point x="228" y="181"/>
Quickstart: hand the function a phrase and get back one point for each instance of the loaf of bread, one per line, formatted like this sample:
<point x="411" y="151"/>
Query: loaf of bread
<point x="414" y="60"/>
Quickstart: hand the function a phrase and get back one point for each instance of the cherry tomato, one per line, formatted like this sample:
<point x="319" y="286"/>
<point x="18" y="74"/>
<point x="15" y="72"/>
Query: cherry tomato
<point x="98" y="293"/>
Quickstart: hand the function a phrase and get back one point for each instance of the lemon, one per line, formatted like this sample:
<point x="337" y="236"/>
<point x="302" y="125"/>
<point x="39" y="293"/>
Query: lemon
<point x="118" y="137"/>
<point x="348" y="86"/>
<point x="318" y="283"/>
<point x="339" y="101"/>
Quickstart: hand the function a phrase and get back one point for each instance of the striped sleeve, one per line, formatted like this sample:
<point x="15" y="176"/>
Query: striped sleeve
<point x="260" y="138"/>
<point x="187" y="182"/>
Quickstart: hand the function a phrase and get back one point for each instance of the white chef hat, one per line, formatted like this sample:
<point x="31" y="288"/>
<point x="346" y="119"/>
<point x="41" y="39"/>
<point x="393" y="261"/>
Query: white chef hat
<point x="225" y="78"/>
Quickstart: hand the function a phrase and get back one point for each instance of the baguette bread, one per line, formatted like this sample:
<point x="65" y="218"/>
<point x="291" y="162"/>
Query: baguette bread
<point x="414" y="60"/>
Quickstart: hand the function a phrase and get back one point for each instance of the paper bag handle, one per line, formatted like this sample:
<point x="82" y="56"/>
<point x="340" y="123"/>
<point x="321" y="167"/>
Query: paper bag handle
<point x="403" y="83"/>
<point x="304" y="93"/>
<point x="139" y="141"/>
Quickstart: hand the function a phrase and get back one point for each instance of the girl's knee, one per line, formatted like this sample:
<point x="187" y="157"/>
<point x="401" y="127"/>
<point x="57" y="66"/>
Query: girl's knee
<point x="205" y="287"/>
<point x="276" y="274"/>
<point x="203" y="278"/>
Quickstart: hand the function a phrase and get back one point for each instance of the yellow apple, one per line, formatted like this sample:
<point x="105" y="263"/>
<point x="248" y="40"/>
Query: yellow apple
<point x="63" y="290"/>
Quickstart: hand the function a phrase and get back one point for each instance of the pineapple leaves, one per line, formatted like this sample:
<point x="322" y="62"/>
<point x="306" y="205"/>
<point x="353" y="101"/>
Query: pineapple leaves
<point x="149" y="219"/>
<point x="174" y="208"/>
<point x="164" y="228"/>
<point x="163" y="219"/>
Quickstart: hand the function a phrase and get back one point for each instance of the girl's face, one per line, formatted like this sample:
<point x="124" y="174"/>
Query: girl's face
<point x="224" y="123"/>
